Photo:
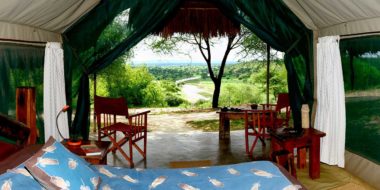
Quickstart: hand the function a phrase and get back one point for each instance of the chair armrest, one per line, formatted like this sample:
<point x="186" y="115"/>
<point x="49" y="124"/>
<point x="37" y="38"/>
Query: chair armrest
<point x="14" y="131"/>
<point x="138" y="114"/>
<point x="138" y="121"/>
<point x="268" y="106"/>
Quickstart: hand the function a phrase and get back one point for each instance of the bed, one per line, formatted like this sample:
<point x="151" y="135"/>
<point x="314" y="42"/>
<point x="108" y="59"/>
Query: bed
<point x="53" y="167"/>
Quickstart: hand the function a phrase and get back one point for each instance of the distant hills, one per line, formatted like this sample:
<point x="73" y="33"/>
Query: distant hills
<point x="175" y="63"/>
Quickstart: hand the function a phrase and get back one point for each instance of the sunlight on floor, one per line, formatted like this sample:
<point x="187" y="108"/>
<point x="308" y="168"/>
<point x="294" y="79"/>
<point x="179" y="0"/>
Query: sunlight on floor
<point x="332" y="177"/>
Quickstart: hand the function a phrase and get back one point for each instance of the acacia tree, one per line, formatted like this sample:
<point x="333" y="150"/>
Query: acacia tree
<point x="215" y="75"/>
<point x="204" y="45"/>
<point x="249" y="47"/>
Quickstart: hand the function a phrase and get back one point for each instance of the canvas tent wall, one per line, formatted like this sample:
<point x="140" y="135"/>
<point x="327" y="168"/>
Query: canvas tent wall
<point x="358" y="23"/>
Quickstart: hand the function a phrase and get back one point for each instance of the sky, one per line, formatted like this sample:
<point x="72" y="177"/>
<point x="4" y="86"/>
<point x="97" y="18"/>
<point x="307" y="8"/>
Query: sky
<point x="144" y="54"/>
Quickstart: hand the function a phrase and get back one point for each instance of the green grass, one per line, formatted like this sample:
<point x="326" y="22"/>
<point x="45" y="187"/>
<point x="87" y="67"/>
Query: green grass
<point x="213" y="125"/>
<point x="363" y="126"/>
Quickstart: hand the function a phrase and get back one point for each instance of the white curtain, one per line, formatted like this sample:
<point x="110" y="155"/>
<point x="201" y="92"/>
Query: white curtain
<point x="54" y="92"/>
<point x="331" y="111"/>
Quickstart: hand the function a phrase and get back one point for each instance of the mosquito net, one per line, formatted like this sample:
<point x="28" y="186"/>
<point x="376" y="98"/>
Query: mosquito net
<point x="361" y="73"/>
<point x="21" y="66"/>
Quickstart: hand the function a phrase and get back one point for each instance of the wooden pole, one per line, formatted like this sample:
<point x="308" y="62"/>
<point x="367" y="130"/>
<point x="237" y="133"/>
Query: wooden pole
<point x="26" y="110"/>
<point x="314" y="110"/>
<point x="94" y="130"/>
<point x="268" y="65"/>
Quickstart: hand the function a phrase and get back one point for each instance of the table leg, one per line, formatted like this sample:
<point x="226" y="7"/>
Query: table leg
<point x="301" y="157"/>
<point x="274" y="146"/>
<point x="224" y="127"/>
<point x="314" y="158"/>
<point x="290" y="148"/>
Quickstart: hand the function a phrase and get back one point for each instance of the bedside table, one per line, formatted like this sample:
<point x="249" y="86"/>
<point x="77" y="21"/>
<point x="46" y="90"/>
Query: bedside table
<point x="98" y="159"/>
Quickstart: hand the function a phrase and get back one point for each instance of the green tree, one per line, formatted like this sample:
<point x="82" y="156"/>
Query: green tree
<point x="123" y="80"/>
<point x="204" y="45"/>
<point x="154" y="95"/>
<point x="172" y="93"/>
<point x="251" y="47"/>
<point x="277" y="78"/>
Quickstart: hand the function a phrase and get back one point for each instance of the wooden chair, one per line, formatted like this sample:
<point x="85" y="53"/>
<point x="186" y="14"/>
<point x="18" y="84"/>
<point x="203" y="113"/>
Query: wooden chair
<point x="282" y="108"/>
<point x="109" y="112"/>
<point x="256" y="124"/>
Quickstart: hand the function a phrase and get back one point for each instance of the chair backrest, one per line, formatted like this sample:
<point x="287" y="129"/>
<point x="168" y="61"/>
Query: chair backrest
<point x="259" y="118"/>
<point x="282" y="101"/>
<point x="283" y="109"/>
<point x="113" y="106"/>
<point x="107" y="110"/>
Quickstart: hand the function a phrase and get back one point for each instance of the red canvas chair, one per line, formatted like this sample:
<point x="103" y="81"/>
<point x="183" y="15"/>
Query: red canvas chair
<point x="109" y="112"/>
<point x="256" y="124"/>
<point x="282" y="108"/>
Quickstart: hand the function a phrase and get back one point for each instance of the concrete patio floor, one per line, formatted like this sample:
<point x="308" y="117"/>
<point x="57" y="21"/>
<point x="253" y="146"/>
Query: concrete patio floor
<point x="164" y="147"/>
<point x="179" y="143"/>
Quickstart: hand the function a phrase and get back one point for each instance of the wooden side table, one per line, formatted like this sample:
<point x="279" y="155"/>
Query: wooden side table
<point x="309" y="138"/>
<point x="98" y="159"/>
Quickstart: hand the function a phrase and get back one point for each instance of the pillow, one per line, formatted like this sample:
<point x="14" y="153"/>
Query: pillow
<point x="55" y="167"/>
<point x="18" y="178"/>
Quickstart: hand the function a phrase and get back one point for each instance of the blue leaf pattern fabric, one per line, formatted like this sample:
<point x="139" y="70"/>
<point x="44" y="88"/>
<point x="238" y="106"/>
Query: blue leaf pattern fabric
<point x="55" y="167"/>
<point x="18" y="178"/>
<point x="251" y="175"/>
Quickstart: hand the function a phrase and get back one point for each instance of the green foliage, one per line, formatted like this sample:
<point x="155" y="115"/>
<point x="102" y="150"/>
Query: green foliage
<point x="366" y="73"/>
<point x="28" y="77"/>
<point x="241" y="71"/>
<point x="172" y="93"/>
<point x="238" y="94"/>
<point x="137" y="85"/>
<point x="277" y="79"/>
<point x="153" y="95"/>
<point x="177" y="72"/>
<point x="244" y="84"/>
<point x="252" y="45"/>
<point x="120" y="79"/>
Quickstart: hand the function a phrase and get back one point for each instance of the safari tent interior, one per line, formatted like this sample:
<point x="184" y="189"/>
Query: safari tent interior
<point x="331" y="52"/>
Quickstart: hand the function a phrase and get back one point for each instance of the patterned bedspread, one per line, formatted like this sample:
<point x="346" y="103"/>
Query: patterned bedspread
<point x="55" y="167"/>
<point x="250" y="176"/>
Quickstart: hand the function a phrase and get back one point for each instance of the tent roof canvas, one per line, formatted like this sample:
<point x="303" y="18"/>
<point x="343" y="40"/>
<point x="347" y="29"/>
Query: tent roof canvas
<point x="40" y="20"/>
<point x="45" y="20"/>
<point x="346" y="17"/>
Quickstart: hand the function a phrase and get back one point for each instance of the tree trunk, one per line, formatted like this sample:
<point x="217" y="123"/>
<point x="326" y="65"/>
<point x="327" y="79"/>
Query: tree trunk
<point x="352" y="77"/>
<point x="215" y="96"/>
